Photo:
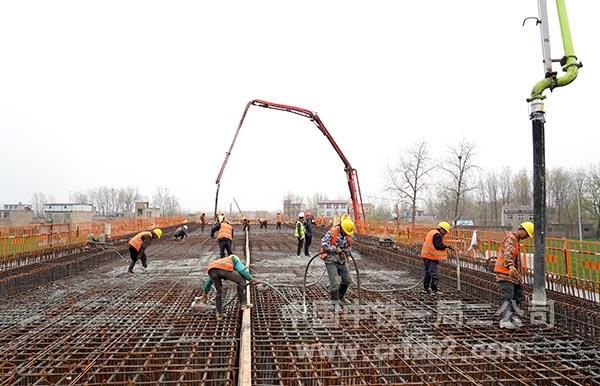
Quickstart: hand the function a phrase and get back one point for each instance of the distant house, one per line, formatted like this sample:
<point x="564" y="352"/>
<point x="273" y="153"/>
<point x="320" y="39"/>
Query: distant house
<point x="69" y="213"/>
<point x="514" y="215"/>
<point x="143" y="210"/>
<point x="331" y="208"/>
<point x="16" y="215"/>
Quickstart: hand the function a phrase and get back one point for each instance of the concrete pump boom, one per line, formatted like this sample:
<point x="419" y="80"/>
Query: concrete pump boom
<point x="351" y="173"/>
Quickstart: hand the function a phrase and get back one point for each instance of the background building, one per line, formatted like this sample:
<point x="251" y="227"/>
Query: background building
<point x="514" y="215"/>
<point x="16" y="215"/>
<point x="331" y="208"/>
<point x="143" y="210"/>
<point x="68" y="213"/>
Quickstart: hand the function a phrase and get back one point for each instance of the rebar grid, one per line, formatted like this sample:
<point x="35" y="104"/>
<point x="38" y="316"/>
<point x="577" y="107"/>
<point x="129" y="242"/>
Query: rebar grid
<point x="107" y="327"/>
<point x="397" y="337"/>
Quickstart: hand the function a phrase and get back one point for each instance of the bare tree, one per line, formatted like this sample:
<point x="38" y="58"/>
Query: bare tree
<point x="459" y="166"/>
<point x="407" y="178"/>
<point x="313" y="201"/>
<point x="591" y="194"/>
<point x="506" y="185"/>
<point x="522" y="188"/>
<point x="165" y="201"/>
<point x="560" y="193"/>
<point x="493" y="191"/>
<point x="38" y="202"/>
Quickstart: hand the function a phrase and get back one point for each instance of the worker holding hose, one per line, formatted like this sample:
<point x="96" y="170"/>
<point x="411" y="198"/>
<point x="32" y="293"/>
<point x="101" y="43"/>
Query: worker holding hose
<point x="336" y="249"/>
<point x="224" y="232"/>
<point x="433" y="251"/>
<point x="508" y="276"/>
<point x="138" y="245"/>
<point x="227" y="268"/>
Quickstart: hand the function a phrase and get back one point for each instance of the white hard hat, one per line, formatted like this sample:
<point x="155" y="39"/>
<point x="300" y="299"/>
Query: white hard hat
<point x="301" y="214"/>
<point x="185" y="227"/>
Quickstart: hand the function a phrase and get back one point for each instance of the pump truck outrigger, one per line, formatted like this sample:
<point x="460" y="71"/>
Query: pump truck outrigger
<point x="351" y="174"/>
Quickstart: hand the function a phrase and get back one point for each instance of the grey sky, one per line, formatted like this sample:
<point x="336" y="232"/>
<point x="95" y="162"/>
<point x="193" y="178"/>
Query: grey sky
<point x="149" y="93"/>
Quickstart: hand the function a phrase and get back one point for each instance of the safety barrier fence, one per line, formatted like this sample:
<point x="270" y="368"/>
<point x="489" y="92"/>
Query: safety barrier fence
<point x="18" y="243"/>
<point x="568" y="258"/>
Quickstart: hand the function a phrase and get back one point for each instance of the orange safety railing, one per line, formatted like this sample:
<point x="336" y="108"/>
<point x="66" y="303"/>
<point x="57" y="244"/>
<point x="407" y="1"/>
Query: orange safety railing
<point x="19" y="240"/>
<point x="571" y="258"/>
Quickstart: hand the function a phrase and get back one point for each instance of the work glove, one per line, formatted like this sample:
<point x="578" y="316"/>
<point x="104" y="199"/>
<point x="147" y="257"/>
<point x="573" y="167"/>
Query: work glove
<point x="338" y="250"/>
<point x="254" y="282"/>
<point x="204" y="298"/>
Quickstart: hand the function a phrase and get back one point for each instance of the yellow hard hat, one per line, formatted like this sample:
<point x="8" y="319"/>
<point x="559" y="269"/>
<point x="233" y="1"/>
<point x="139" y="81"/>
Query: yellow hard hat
<point x="158" y="232"/>
<point x="185" y="221"/>
<point x="445" y="226"/>
<point x="348" y="226"/>
<point x="529" y="228"/>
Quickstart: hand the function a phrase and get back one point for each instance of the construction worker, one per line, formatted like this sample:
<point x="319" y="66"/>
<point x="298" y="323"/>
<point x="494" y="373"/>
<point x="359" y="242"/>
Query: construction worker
<point x="138" y="245"/>
<point x="227" y="268"/>
<point x="263" y="223"/>
<point x="224" y="232"/>
<point x="335" y="251"/>
<point x="507" y="269"/>
<point x="181" y="232"/>
<point x="300" y="233"/>
<point x="308" y="226"/>
<point x="202" y="222"/>
<point x="246" y="224"/>
<point x="278" y="220"/>
<point x="433" y="251"/>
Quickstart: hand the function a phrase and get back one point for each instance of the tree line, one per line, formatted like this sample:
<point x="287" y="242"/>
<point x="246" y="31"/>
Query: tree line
<point x="455" y="187"/>
<point x="111" y="201"/>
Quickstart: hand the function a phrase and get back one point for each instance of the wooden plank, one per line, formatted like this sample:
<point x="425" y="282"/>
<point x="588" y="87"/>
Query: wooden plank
<point x="245" y="365"/>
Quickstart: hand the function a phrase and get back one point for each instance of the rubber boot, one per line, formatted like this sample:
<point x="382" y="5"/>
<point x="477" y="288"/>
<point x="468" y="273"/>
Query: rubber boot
<point x="426" y="283"/>
<point x="505" y="316"/>
<point x="434" y="286"/>
<point x="219" y="303"/>
<point x="342" y="292"/>
<point x="131" y="265"/>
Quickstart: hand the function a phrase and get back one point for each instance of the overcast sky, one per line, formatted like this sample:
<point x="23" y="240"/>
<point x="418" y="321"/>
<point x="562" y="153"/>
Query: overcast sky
<point x="149" y="93"/>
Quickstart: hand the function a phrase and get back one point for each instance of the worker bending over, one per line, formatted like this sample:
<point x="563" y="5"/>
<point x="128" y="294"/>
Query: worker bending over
<point x="278" y="220"/>
<point x="245" y="224"/>
<point x="138" y="245"/>
<point x="224" y="232"/>
<point x="181" y="232"/>
<point x="507" y="269"/>
<point x="336" y="249"/>
<point x="263" y="223"/>
<point x="300" y="233"/>
<point x="433" y="251"/>
<point x="227" y="268"/>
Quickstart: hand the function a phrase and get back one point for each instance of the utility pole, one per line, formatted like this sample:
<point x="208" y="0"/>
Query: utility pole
<point x="537" y="116"/>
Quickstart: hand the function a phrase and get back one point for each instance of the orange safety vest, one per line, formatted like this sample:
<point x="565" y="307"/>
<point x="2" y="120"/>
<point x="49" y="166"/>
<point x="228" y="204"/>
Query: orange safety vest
<point x="225" y="263"/>
<point x="500" y="266"/>
<point x="279" y="218"/>
<point x="335" y="234"/>
<point x="137" y="241"/>
<point x="225" y="232"/>
<point x="429" y="252"/>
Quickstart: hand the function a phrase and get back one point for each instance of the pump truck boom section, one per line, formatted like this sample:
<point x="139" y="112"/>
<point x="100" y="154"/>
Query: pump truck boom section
<point x="351" y="173"/>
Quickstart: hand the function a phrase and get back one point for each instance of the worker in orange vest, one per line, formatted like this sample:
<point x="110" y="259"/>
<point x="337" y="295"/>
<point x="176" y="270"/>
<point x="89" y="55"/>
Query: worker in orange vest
<point x="433" y="251"/>
<point x="227" y="268"/>
<point x="138" y="245"/>
<point x="224" y="232"/>
<point x="202" y="222"/>
<point x="279" y="221"/>
<point x="507" y="269"/>
<point x="335" y="251"/>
